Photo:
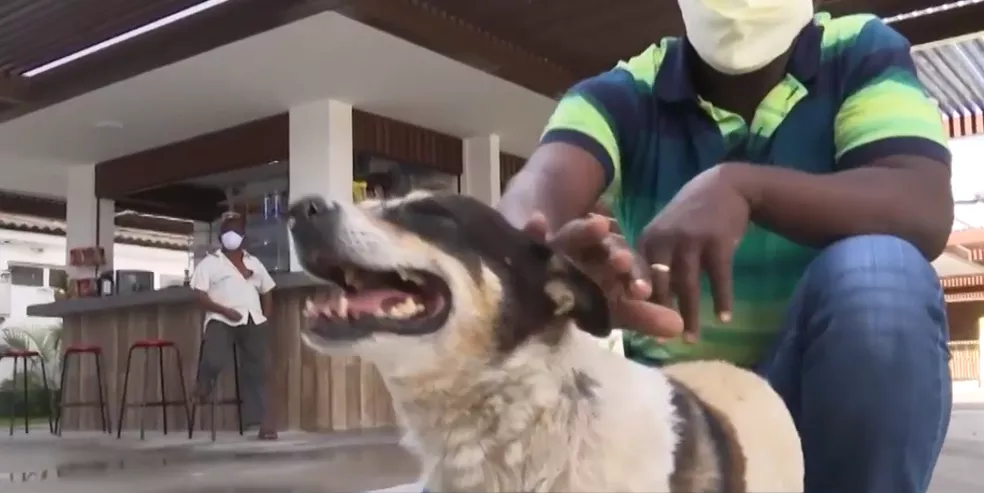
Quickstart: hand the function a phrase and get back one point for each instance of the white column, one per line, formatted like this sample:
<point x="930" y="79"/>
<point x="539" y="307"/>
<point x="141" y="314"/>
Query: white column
<point x="480" y="175"/>
<point x="90" y="221"/>
<point x="321" y="155"/>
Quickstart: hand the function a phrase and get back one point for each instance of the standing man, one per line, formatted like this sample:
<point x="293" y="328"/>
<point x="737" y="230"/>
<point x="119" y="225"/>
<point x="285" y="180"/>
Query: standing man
<point x="235" y="290"/>
<point x="786" y="178"/>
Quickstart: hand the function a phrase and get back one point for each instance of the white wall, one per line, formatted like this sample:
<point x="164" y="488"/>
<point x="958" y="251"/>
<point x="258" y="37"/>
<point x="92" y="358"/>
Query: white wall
<point x="968" y="179"/>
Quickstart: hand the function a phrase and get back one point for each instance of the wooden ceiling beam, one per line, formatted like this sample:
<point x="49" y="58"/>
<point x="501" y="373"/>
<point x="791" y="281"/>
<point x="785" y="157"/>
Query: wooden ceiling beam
<point x="206" y="31"/>
<point x="881" y="8"/>
<point x="431" y="28"/>
<point x="944" y="25"/>
<point x="178" y="200"/>
<point x="14" y="89"/>
<point x="250" y="144"/>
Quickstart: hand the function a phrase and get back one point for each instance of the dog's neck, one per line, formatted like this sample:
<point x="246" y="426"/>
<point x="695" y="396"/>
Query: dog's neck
<point x="477" y="420"/>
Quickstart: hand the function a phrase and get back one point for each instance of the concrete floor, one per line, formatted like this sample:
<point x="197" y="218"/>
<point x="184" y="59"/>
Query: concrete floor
<point x="303" y="463"/>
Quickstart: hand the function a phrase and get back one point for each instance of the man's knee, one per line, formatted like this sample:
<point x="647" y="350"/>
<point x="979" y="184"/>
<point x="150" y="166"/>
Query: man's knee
<point x="873" y="331"/>
<point x="880" y="269"/>
<point x="875" y="285"/>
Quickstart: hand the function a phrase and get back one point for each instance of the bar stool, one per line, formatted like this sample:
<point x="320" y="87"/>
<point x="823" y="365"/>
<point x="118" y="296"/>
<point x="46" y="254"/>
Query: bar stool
<point x="236" y="401"/>
<point x="78" y="351"/>
<point x="147" y="345"/>
<point x="24" y="356"/>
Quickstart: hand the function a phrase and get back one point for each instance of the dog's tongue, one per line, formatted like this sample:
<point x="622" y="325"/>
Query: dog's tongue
<point x="371" y="300"/>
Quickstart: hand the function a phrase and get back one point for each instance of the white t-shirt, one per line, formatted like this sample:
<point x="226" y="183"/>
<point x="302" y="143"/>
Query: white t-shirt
<point x="221" y="280"/>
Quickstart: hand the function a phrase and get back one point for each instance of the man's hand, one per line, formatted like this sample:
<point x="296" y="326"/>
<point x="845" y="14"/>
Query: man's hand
<point x="232" y="314"/>
<point x="698" y="230"/>
<point x="620" y="273"/>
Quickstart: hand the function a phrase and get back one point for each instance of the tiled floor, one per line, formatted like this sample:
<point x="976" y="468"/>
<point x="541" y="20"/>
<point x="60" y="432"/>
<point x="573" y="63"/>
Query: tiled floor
<point x="297" y="463"/>
<point x="304" y="463"/>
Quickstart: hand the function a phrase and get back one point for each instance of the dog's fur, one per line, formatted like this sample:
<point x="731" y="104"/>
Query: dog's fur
<point x="509" y="392"/>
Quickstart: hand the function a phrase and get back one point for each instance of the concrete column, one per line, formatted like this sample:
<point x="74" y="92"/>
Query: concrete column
<point x="321" y="155"/>
<point x="480" y="177"/>
<point x="90" y="221"/>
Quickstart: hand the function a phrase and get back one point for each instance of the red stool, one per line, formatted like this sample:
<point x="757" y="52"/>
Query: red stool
<point x="79" y="351"/>
<point x="146" y="346"/>
<point x="24" y="356"/>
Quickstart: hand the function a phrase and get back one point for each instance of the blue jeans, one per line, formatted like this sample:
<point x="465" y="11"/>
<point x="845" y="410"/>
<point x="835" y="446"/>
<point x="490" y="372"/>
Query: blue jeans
<point x="862" y="365"/>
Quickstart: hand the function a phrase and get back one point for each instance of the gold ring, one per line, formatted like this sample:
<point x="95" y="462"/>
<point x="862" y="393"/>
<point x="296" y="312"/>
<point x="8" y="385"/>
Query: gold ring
<point x="660" y="267"/>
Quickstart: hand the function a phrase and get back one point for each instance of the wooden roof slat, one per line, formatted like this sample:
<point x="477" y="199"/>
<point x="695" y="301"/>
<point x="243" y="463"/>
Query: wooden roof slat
<point x="421" y="23"/>
<point x="949" y="24"/>
<point x="544" y="45"/>
<point x="881" y="8"/>
<point x="97" y="29"/>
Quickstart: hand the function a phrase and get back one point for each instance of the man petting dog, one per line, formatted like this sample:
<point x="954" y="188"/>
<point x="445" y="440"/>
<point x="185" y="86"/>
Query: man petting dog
<point x="235" y="290"/>
<point x="796" y="160"/>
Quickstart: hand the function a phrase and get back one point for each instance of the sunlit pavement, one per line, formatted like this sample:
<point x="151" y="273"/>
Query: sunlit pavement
<point x="304" y="463"/>
<point x="961" y="467"/>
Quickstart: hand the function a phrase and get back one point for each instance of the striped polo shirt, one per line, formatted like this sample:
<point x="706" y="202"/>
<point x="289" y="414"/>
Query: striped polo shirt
<point x="850" y="96"/>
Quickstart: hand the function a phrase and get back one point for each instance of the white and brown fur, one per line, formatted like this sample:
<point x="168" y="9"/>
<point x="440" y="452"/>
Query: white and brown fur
<point x="513" y="393"/>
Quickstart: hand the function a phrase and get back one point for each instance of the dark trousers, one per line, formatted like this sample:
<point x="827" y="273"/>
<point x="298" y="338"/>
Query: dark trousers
<point x="251" y="340"/>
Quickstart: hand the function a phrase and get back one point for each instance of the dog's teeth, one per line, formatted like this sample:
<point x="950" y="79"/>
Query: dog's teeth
<point x="379" y="313"/>
<point x="410" y="276"/>
<point x="406" y="309"/>
<point x="343" y="307"/>
<point x="310" y="308"/>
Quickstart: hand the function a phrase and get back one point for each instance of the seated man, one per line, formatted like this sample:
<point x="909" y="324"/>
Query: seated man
<point x="235" y="290"/>
<point x="797" y="162"/>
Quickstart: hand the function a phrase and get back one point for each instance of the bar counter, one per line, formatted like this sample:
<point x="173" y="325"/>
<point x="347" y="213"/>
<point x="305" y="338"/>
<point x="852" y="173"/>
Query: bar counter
<point x="306" y="390"/>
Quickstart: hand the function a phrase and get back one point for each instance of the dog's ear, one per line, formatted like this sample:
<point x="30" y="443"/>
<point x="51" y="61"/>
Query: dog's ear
<point x="577" y="297"/>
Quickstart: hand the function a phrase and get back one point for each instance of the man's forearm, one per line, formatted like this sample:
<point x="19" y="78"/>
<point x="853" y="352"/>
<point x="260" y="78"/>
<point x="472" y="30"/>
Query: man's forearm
<point x="206" y="303"/>
<point x="903" y="196"/>
<point x="266" y="304"/>
<point x="560" y="181"/>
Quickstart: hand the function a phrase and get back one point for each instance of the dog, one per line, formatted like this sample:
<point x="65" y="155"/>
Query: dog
<point x="486" y="340"/>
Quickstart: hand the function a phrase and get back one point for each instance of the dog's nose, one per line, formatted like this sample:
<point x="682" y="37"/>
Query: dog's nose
<point x="311" y="208"/>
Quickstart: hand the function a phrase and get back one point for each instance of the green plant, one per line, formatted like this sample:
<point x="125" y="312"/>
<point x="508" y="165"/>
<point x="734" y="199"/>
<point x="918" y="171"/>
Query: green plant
<point x="47" y="342"/>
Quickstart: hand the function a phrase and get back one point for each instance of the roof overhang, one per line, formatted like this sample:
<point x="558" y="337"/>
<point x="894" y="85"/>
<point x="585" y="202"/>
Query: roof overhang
<point x="324" y="56"/>
<point x="543" y="46"/>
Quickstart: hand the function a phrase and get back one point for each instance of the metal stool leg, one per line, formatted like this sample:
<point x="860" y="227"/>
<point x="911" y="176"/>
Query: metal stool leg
<point x="47" y="395"/>
<point x="160" y="367"/>
<point x="27" y="407"/>
<point x="146" y="388"/>
<point x="59" y="407"/>
<point x="198" y="380"/>
<point x="213" y="407"/>
<point x="184" y="390"/>
<point x="239" y="398"/>
<point x="13" y="398"/>
<point x="126" y="381"/>
<point x="102" y="400"/>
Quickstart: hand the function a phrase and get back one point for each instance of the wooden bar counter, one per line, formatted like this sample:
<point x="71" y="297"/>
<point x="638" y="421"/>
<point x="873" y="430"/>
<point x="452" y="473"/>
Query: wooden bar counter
<point x="306" y="390"/>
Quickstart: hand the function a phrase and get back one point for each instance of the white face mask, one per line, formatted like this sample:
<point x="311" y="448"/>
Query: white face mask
<point x="231" y="240"/>
<point x="741" y="36"/>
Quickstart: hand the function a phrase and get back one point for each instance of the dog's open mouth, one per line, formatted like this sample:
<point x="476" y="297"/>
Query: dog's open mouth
<point x="403" y="301"/>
